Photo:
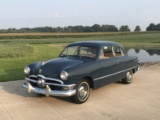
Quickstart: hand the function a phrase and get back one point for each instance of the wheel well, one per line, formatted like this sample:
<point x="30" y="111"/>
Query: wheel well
<point x="133" y="70"/>
<point x="90" y="80"/>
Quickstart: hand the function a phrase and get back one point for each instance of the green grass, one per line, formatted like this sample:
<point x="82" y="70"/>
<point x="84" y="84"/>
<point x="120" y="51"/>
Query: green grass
<point x="15" y="54"/>
<point x="15" y="50"/>
<point x="12" y="68"/>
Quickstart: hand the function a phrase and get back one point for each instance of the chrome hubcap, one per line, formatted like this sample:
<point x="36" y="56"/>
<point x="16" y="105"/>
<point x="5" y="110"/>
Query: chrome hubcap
<point x="83" y="91"/>
<point x="129" y="76"/>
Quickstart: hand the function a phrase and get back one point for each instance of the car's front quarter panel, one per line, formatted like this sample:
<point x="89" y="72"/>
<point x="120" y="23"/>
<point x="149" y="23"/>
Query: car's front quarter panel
<point x="87" y="69"/>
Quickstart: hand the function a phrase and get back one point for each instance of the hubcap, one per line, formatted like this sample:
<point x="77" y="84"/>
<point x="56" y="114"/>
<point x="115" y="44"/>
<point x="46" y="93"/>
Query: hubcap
<point x="83" y="91"/>
<point x="129" y="76"/>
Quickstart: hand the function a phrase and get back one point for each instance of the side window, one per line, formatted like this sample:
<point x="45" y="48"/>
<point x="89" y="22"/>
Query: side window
<point x="88" y="51"/>
<point x="118" y="51"/>
<point x="106" y="52"/>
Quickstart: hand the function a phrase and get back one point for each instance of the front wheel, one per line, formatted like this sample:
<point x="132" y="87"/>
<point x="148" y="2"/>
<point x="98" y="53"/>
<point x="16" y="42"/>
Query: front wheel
<point x="128" y="78"/>
<point x="82" y="92"/>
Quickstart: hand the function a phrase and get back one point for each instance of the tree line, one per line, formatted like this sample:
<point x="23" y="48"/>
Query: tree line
<point x="80" y="28"/>
<point x="153" y="27"/>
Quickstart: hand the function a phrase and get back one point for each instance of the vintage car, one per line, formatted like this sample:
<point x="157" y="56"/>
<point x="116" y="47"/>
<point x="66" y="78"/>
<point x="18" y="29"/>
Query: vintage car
<point x="79" y="67"/>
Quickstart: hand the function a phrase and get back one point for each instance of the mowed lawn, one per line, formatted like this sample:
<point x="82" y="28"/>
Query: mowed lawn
<point x="15" y="54"/>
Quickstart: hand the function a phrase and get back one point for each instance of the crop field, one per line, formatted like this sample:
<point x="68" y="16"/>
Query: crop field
<point x="19" y="49"/>
<point x="15" y="50"/>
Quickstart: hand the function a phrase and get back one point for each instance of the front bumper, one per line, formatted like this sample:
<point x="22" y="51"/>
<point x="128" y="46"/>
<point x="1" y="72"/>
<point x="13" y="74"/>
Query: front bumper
<point x="48" y="86"/>
<point x="48" y="92"/>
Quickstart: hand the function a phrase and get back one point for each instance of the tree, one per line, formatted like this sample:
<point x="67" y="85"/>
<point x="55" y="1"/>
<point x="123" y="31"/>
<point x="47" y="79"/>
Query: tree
<point x="137" y="29"/>
<point x="158" y="27"/>
<point x="104" y="28"/>
<point x="108" y="28"/>
<point x="96" y="28"/>
<point x="151" y="27"/>
<point x="112" y="28"/>
<point x="79" y="28"/>
<point x="124" y="28"/>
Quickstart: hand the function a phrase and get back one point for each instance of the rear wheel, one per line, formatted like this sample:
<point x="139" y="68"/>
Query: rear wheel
<point x="82" y="92"/>
<point x="128" y="78"/>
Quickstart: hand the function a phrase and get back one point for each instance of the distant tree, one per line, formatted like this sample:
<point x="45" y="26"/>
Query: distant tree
<point x="137" y="29"/>
<point x="108" y="28"/>
<point x="112" y="28"/>
<point x="151" y="27"/>
<point x="3" y="30"/>
<point x="158" y="27"/>
<point x="104" y="28"/>
<point x="124" y="28"/>
<point x="96" y="28"/>
<point x="87" y="29"/>
<point x="71" y="29"/>
<point x="79" y="28"/>
<point x="11" y="30"/>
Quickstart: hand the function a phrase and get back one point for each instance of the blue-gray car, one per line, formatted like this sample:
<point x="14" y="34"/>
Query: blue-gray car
<point x="79" y="67"/>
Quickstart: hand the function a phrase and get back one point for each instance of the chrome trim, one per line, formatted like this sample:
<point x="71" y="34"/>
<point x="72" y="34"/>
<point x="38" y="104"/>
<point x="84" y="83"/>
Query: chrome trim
<point x="43" y="77"/>
<point x="47" y="83"/>
<point x="47" y="78"/>
<point x="28" y="79"/>
<point x="61" y="85"/>
<point x="113" y="74"/>
<point x="48" y="92"/>
<point x="34" y="76"/>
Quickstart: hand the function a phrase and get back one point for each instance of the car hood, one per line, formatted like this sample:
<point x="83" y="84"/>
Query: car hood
<point x="52" y="68"/>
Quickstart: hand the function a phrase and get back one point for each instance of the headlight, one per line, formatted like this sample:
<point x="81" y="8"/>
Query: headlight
<point x="64" y="75"/>
<point x="26" y="70"/>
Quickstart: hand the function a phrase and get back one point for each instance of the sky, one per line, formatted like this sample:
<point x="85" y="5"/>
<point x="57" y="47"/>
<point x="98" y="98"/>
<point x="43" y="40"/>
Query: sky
<point x="61" y="13"/>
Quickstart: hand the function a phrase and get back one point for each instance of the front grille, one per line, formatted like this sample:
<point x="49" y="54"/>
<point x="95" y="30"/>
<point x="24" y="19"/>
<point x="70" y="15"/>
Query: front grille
<point x="46" y="80"/>
<point x="51" y="86"/>
<point x="54" y="82"/>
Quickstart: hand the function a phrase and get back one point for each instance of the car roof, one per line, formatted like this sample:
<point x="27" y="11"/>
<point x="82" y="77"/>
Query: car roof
<point x="95" y="43"/>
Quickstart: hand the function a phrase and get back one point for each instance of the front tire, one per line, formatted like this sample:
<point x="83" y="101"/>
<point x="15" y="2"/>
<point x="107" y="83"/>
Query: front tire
<point x="128" y="78"/>
<point x="82" y="92"/>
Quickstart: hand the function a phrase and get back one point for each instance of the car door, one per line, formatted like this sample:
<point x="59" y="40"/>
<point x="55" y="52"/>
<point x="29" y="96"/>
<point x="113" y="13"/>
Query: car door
<point x="122" y="61"/>
<point x="108" y="67"/>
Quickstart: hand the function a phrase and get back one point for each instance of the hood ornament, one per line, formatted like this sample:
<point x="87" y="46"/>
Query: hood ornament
<point x="40" y="70"/>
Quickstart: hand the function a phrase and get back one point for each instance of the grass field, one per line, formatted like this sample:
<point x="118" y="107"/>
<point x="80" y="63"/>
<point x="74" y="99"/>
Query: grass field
<point x="16" y="53"/>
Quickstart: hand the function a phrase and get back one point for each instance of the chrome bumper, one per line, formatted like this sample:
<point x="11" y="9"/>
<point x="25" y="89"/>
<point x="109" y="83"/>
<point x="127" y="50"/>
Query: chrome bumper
<point x="48" y="92"/>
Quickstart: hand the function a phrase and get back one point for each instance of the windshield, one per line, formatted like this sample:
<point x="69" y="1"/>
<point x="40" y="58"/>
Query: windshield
<point x="80" y="51"/>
